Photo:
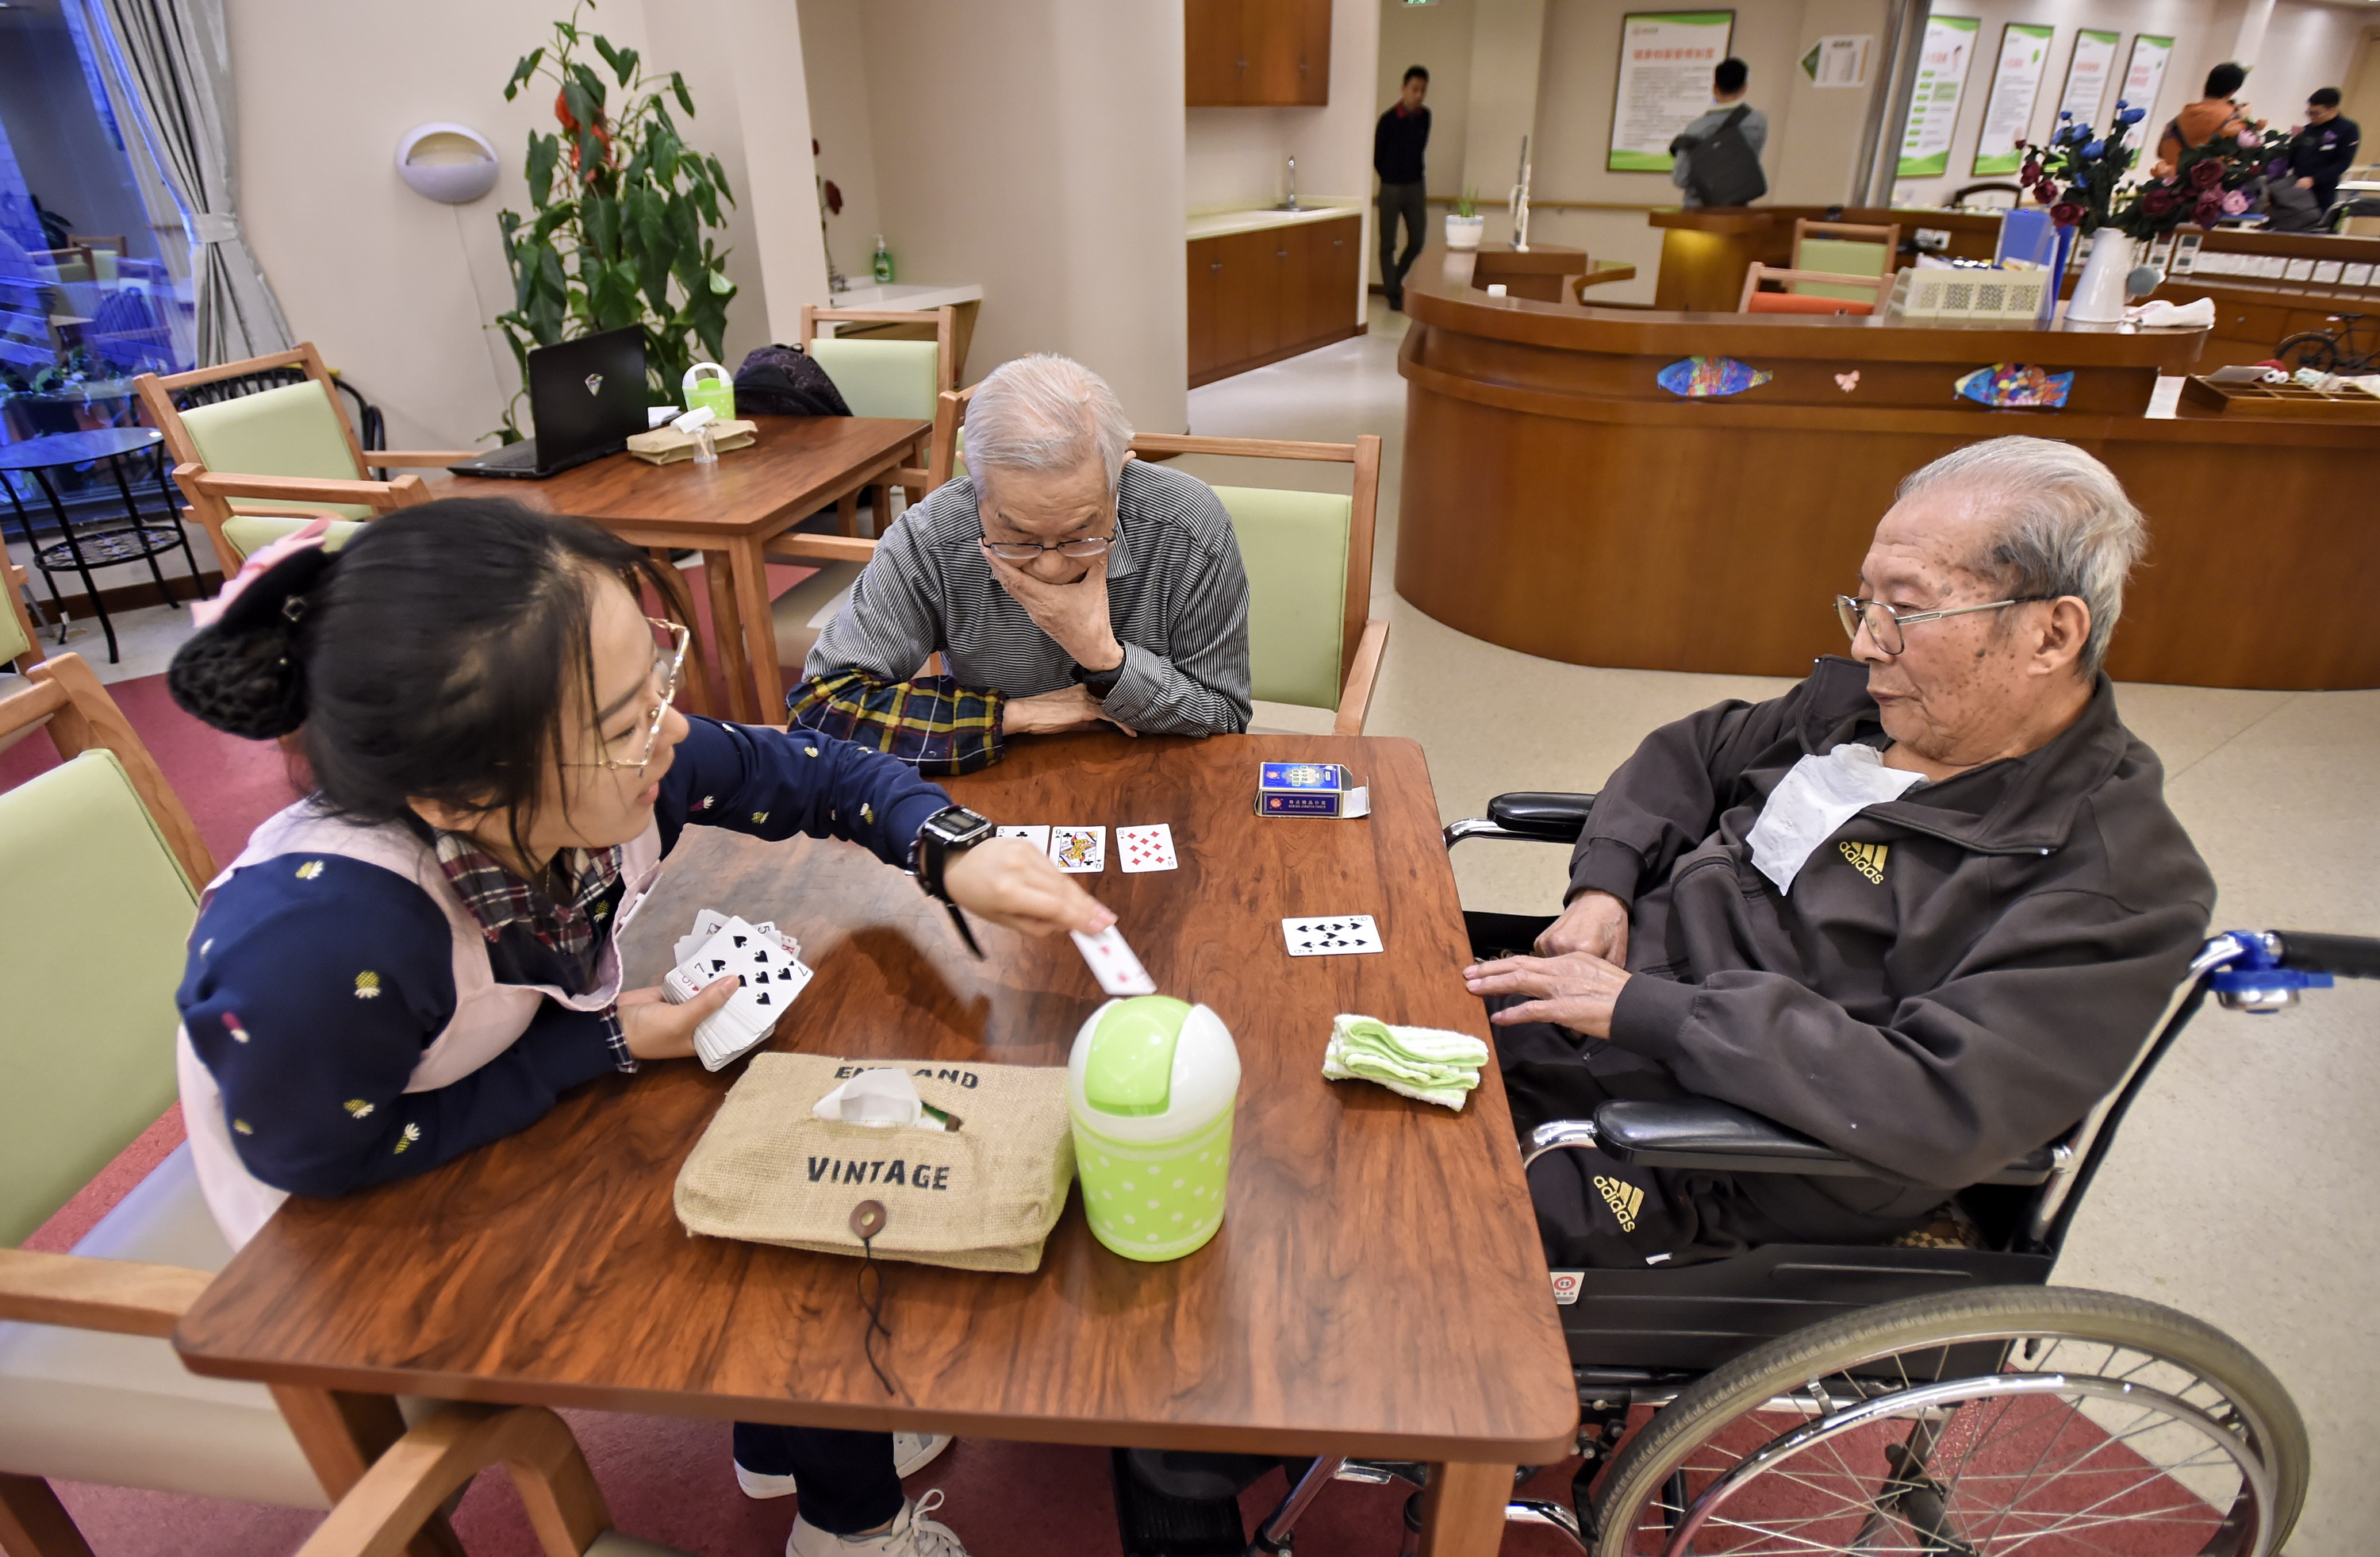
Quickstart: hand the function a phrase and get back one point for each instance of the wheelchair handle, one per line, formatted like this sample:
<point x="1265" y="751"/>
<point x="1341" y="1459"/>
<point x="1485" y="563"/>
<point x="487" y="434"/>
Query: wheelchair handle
<point x="2347" y="957"/>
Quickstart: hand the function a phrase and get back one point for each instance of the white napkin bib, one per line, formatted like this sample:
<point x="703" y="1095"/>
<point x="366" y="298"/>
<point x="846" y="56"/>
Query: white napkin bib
<point x="1818" y="796"/>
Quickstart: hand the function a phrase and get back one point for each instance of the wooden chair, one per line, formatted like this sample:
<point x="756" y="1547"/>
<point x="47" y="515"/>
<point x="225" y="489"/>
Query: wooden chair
<point x="1810" y="299"/>
<point x="292" y="434"/>
<point x="884" y="377"/>
<point x="409" y="1483"/>
<point x="20" y="641"/>
<point x="1306" y="552"/>
<point x="1845" y="249"/>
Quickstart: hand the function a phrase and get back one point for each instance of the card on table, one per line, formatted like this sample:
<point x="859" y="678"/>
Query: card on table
<point x="1079" y="850"/>
<point x="1333" y="935"/>
<point x="1036" y="836"/>
<point x="1145" y="848"/>
<point x="1113" y="963"/>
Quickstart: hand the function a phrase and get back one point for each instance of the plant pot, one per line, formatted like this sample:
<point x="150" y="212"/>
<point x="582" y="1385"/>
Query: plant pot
<point x="1462" y="231"/>
<point x="2099" y="291"/>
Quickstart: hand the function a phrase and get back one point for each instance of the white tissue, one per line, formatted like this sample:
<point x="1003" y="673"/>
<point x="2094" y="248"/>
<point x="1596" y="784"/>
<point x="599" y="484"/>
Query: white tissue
<point x="1817" y="797"/>
<point x="881" y="1099"/>
<point x="2158" y="314"/>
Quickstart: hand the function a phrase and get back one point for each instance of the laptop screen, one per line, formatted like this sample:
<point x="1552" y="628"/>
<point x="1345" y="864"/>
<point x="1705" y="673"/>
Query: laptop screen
<point x="588" y="395"/>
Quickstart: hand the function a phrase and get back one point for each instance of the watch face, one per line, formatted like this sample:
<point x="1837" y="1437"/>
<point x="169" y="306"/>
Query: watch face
<point x="959" y="825"/>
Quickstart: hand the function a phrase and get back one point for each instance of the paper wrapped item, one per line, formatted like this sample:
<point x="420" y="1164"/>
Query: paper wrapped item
<point x="667" y="446"/>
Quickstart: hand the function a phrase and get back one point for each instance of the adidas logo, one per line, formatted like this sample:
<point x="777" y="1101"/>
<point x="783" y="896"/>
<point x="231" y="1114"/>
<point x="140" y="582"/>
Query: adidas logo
<point x="1625" y="1199"/>
<point x="1867" y="858"/>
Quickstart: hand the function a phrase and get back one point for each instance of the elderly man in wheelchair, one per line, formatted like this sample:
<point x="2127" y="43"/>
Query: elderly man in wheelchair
<point x="1852" y="990"/>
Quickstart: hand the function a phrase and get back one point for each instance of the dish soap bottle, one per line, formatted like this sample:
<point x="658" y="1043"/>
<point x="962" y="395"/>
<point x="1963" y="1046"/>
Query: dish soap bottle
<point x="884" y="262"/>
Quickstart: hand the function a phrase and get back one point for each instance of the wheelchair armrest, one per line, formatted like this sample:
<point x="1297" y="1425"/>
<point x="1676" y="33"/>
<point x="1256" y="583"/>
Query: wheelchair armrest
<point x="1557" y="818"/>
<point x="1720" y="1137"/>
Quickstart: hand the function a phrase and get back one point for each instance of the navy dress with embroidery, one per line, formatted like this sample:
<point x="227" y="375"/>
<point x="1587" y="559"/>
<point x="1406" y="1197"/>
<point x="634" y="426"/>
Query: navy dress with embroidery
<point x="310" y="996"/>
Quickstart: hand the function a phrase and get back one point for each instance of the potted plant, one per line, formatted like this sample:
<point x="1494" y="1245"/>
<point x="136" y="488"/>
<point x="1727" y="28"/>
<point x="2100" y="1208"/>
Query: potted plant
<point x="2081" y="177"/>
<point x="1464" y="224"/>
<point x="623" y="212"/>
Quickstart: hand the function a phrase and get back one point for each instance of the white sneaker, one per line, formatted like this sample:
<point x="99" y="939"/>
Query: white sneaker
<point x="912" y="1451"/>
<point x="912" y="1535"/>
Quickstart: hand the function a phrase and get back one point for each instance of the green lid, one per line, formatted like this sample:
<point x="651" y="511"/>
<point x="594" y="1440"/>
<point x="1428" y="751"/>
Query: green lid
<point x="1130" y="1067"/>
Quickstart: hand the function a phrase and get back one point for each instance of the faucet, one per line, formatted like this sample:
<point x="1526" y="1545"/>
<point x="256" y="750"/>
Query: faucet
<point x="1291" y="204"/>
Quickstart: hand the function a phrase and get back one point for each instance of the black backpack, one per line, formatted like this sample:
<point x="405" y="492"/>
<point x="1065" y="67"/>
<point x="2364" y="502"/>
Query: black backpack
<point x="782" y="381"/>
<point x="1725" y="170"/>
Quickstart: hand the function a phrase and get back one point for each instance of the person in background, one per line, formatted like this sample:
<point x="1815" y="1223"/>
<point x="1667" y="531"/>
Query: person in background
<point x="1062" y="582"/>
<point x="2321" y="154"/>
<point x="1398" y="142"/>
<point x="2200" y="122"/>
<point x="420" y="956"/>
<point x="1727" y="82"/>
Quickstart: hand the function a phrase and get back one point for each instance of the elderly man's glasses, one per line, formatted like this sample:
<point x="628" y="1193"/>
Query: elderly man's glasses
<point x="1026" y="551"/>
<point x="669" y="659"/>
<point x="1885" y="624"/>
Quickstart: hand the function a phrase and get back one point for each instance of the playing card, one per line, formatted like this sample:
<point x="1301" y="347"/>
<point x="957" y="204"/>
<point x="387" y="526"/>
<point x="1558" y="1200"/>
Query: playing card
<point x="1112" y="964"/>
<point x="769" y="974"/>
<point x="1036" y="836"/>
<point x="1145" y="848"/>
<point x="1335" y="935"/>
<point x="1079" y="850"/>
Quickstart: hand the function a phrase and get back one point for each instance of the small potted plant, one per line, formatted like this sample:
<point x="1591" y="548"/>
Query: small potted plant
<point x="1464" y="224"/>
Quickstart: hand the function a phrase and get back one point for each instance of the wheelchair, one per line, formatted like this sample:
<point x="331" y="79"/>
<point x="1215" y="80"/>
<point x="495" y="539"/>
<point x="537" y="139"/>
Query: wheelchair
<point x="1889" y="1401"/>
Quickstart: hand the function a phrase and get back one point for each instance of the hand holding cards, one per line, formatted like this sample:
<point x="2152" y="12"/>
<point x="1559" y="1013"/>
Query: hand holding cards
<point x="767" y="967"/>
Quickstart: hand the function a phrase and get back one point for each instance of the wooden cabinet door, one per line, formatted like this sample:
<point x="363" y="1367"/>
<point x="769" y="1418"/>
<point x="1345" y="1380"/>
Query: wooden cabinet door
<point x="1214" y="53"/>
<point x="1206" y="274"/>
<point x="1312" y="53"/>
<point x="1291" y="251"/>
<point x="1287" y="47"/>
<point x="1238" y="292"/>
<point x="1334" y="252"/>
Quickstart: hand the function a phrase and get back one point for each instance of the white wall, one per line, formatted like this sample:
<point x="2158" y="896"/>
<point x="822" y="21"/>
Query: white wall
<point x="835" y="66"/>
<point x="1437" y="37"/>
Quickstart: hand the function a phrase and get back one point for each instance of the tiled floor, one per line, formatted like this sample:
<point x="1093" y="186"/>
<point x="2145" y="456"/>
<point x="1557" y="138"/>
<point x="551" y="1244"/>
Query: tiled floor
<point x="2240" y="1191"/>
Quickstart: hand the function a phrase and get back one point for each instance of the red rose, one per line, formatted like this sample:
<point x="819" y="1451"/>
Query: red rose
<point x="2210" y="208"/>
<point x="2206" y="173"/>
<point x="2158" y="200"/>
<point x="2032" y="172"/>
<point x="2066" y="213"/>
<point x="2046" y="192"/>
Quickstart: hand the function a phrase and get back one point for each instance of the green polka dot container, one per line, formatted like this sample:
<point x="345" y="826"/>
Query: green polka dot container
<point x="1153" y="1083"/>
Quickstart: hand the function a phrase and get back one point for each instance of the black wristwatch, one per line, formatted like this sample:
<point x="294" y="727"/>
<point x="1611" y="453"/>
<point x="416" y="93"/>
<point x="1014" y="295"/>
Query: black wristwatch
<point x="1100" y="683"/>
<point x="947" y="832"/>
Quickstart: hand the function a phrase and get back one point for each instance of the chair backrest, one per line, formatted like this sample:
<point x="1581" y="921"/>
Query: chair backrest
<point x="1308" y="556"/>
<point x="1844" y="248"/>
<point x="234" y="420"/>
<point x="1810" y="299"/>
<point x="102" y="868"/>
<point x="884" y="375"/>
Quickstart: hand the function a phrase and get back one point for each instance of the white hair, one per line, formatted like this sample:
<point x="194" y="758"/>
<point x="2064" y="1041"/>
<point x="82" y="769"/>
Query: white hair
<point x="2064" y="525"/>
<point x="1045" y="412"/>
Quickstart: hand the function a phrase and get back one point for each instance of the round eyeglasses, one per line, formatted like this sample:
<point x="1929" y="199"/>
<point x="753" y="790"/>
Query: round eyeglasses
<point x="668" y="661"/>
<point x="1885" y="624"/>
<point x="1026" y="551"/>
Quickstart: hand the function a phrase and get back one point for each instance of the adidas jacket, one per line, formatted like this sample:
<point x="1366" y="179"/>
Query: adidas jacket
<point x="1956" y="976"/>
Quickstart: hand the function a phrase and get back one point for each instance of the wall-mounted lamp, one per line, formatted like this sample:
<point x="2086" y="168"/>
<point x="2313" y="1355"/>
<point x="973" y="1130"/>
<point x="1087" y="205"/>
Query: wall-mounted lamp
<point x="449" y="163"/>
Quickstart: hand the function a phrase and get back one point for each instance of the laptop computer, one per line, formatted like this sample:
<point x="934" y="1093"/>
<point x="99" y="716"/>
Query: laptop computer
<point x="587" y="398"/>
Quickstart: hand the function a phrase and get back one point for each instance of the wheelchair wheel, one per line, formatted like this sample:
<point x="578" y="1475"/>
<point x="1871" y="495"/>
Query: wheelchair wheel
<point x="2309" y="348"/>
<point x="2049" y="1421"/>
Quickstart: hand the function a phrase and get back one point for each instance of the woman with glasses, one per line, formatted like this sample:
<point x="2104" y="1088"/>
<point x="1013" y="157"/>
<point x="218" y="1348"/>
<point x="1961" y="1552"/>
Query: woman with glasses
<point x="418" y="957"/>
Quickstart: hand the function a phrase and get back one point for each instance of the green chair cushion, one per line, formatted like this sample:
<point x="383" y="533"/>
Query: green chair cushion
<point x="12" y="633"/>
<point x="880" y="378"/>
<point x="95" y="919"/>
<point x="1293" y="545"/>
<point x="249" y="533"/>
<point x="1838" y="255"/>
<point x="292" y="430"/>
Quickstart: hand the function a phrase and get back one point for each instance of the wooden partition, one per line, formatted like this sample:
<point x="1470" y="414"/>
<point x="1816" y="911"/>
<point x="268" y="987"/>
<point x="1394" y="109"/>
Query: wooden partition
<point x="1705" y="249"/>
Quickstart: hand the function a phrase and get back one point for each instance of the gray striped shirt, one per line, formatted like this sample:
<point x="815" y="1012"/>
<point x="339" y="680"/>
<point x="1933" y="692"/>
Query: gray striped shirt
<point x="1177" y="601"/>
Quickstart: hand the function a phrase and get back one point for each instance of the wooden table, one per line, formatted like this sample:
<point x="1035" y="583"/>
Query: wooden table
<point x="1377" y="1287"/>
<point x="732" y="511"/>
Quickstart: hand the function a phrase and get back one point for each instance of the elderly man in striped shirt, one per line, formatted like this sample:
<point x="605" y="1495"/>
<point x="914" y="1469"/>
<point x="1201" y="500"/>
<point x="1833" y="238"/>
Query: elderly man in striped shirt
<point x="1063" y="581"/>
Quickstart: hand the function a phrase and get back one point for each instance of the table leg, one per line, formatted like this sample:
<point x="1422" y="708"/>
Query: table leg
<point x="341" y="1435"/>
<point x="33" y="555"/>
<point x="728" y="629"/>
<point x="33" y="1523"/>
<point x="1462" y="1510"/>
<point x="752" y="580"/>
<point x="694" y="687"/>
<point x="82" y="569"/>
<point x="846" y="513"/>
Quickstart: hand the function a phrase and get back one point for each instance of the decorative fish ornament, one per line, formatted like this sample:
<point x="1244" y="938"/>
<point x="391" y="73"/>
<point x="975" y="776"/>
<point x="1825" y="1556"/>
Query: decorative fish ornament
<point x="2008" y="385"/>
<point x="1698" y="377"/>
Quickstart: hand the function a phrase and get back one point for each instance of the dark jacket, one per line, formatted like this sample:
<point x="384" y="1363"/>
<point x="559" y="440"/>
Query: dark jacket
<point x="2323" y="153"/>
<point x="1397" y="142"/>
<point x="1937" y="1006"/>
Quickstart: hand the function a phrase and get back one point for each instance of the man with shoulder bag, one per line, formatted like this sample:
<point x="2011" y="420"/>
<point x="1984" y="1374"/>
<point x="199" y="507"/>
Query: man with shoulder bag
<point x="1716" y="160"/>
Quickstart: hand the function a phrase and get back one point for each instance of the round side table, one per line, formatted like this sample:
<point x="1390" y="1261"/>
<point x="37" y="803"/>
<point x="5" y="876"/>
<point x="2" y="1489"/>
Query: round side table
<point x="100" y="543"/>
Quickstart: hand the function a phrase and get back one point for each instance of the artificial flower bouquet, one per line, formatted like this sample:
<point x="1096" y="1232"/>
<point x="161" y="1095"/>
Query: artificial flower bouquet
<point x="2081" y="177"/>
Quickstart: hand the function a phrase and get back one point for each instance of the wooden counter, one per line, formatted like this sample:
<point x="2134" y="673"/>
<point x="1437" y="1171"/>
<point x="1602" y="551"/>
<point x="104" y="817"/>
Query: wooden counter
<point x="1557" y="501"/>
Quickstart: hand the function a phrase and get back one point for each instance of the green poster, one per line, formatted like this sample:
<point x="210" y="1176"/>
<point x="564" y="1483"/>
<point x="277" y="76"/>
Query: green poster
<point x="2016" y="85"/>
<point x="1942" y="64"/>
<point x="1666" y="60"/>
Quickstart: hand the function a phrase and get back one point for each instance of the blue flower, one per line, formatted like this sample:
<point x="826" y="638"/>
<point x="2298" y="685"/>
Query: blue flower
<point x="2132" y="115"/>
<point x="2121" y="105"/>
<point x="2095" y="149"/>
<point x="2064" y="115"/>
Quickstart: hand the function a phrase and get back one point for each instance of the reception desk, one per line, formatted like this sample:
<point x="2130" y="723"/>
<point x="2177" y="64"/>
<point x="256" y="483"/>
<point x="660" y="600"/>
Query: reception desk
<point x="1558" y="501"/>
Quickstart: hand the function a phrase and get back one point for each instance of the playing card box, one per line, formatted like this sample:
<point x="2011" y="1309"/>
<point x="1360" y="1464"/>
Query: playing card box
<point x="1310" y="789"/>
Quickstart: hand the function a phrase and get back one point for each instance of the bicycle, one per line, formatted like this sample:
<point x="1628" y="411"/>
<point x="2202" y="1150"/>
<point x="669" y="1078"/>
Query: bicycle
<point x="2329" y="351"/>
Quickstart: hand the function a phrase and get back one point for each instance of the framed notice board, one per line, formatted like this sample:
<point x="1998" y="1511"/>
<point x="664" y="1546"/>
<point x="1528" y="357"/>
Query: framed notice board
<point x="1943" y="58"/>
<point x="2016" y="85"/>
<point x="1666" y="60"/>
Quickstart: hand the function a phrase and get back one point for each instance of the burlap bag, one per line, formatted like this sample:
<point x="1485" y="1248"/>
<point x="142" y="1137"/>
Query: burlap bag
<point x="981" y="1198"/>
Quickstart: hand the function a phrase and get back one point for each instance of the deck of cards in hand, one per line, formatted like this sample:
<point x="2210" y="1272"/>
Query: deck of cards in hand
<point x="767" y="965"/>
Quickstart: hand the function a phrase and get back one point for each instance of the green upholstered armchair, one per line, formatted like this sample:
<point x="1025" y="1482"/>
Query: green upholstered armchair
<point x="103" y="869"/>
<point x="885" y="376"/>
<point x="259" y="465"/>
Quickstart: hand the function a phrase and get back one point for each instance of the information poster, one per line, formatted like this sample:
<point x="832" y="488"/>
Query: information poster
<point x="1666" y="60"/>
<point x="2143" y="79"/>
<point x="1942" y="63"/>
<point x="2016" y="85"/>
<point x="2086" y="75"/>
<point x="1840" y="60"/>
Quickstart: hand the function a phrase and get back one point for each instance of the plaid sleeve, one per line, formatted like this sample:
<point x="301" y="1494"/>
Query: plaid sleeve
<point x="929" y="722"/>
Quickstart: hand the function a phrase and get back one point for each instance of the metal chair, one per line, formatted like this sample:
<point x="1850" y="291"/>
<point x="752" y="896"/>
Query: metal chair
<point x="1813" y="1398"/>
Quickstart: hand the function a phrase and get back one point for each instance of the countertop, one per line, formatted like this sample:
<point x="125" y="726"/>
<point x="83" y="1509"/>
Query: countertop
<point x="1223" y="224"/>
<point x="904" y="295"/>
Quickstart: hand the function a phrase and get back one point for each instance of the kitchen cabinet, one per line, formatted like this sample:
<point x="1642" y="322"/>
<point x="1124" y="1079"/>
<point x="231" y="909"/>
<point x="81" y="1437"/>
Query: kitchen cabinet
<point x="1242" y="54"/>
<point x="1258" y="296"/>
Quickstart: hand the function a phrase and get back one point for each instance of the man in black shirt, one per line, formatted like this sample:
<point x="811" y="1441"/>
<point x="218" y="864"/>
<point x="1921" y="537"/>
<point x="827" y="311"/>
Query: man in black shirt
<point x="2321" y="154"/>
<point x="1397" y="143"/>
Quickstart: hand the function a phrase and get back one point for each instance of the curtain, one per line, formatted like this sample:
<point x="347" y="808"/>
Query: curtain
<point x="176" y="63"/>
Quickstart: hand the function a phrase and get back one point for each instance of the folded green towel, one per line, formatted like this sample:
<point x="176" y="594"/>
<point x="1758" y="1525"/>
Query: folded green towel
<point x="1428" y="1064"/>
